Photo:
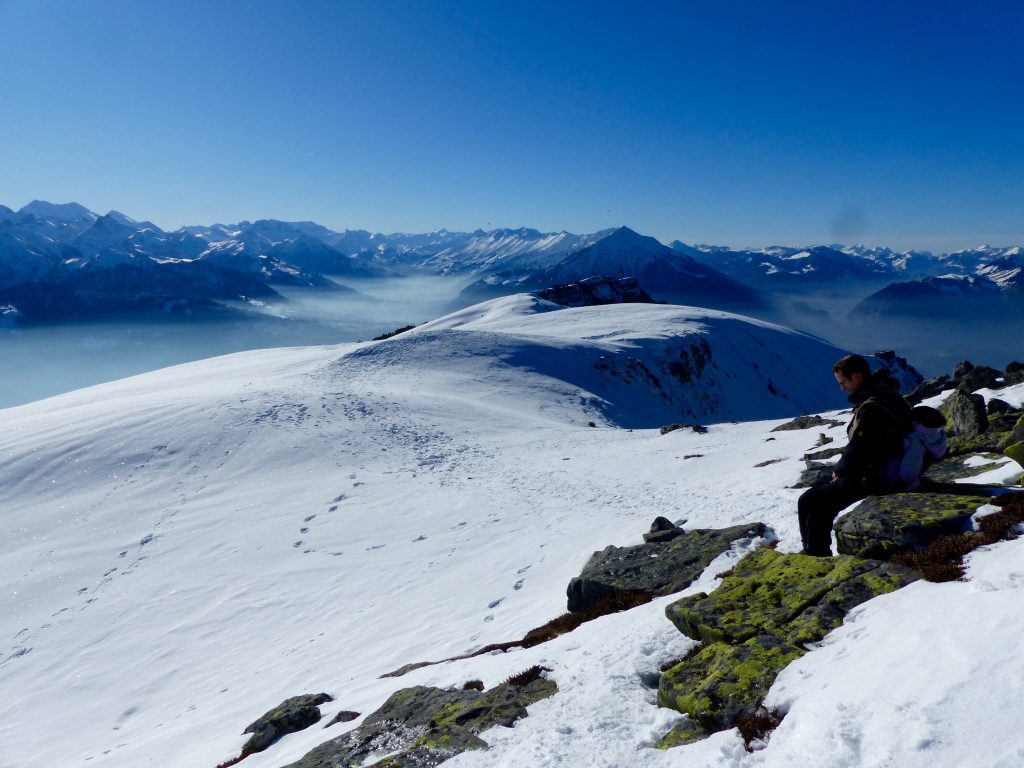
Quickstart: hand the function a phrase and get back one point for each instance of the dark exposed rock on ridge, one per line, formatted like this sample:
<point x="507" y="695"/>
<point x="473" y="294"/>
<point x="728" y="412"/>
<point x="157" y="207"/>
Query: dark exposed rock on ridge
<point x="967" y="377"/>
<point x="596" y="291"/>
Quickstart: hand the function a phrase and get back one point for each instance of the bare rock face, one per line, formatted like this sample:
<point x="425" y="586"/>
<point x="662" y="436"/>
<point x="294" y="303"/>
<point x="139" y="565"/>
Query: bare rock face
<point x="594" y="291"/>
<point x="962" y="368"/>
<point x="930" y="388"/>
<point x="980" y="377"/>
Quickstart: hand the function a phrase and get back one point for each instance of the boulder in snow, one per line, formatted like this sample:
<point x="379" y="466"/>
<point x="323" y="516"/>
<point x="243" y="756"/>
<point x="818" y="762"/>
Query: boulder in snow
<point x="721" y="683"/>
<point x="797" y="598"/>
<point x="656" y="568"/>
<point x="423" y="726"/>
<point x="967" y="414"/>
<point x="807" y="422"/>
<point x="294" y="714"/>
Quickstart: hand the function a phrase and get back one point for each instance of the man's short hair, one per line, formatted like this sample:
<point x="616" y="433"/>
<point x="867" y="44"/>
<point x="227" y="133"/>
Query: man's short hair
<point x="852" y="364"/>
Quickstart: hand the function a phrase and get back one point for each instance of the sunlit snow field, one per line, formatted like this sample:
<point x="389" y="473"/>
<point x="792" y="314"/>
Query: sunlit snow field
<point x="185" y="549"/>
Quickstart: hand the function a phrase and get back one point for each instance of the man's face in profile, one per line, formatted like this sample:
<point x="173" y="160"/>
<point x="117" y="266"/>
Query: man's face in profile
<point x="850" y="384"/>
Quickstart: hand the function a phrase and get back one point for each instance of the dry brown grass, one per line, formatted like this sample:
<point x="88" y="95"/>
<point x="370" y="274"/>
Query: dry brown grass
<point x="943" y="559"/>
<point x="758" y="727"/>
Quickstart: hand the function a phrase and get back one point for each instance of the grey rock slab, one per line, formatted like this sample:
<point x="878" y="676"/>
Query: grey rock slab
<point x="291" y="715"/>
<point x="655" y="568"/>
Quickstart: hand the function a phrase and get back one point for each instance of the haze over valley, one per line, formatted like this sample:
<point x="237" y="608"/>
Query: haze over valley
<point x="86" y="298"/>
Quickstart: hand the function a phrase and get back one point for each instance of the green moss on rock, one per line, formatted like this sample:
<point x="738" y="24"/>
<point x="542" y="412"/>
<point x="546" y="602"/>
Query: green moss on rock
<point x="722" y="682"/>
<point x="794" y="597"/>
<point x="687" y="731"/>
<point x="422" y="726"/>
<point x="990" y="442"/>
<point x="1016" y="452"/>
<point x="880" y="526"/>
<point x="955" y="468"/>
<point x="655" y="568"/>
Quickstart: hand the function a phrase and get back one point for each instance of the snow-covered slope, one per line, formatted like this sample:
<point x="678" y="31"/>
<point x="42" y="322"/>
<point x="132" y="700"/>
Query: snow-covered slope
<point x="184" y="549"/>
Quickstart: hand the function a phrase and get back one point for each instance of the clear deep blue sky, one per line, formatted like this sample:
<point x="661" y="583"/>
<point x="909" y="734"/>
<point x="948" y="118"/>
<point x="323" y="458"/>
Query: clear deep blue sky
<point x="895" y="123"/>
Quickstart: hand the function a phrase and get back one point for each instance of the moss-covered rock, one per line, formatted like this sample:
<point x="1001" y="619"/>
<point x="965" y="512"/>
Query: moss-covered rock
<point x="956" y="468"/>
<point x="656" y="568"/>
<point x="967" y="414"/>
<point x="686" y="731"/>
<point x="1006" y="421"/>
<point x="291" y="715"/>
<point x="1017" y="433"/>
<point x="989" y="442"/>
<point x="423" y="726"/>
<point x="797" y="598"/>
<point x="1016" y="452"/>
<point x="722" y="682"/>
<point x="880" y="526"/>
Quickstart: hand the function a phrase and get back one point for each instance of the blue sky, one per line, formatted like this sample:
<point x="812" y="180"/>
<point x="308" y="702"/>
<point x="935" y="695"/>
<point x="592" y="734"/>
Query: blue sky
<point x="745" y="123"/>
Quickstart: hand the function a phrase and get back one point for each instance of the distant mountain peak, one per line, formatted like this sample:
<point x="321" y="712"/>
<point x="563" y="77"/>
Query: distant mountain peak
<point x="60" y="211"/>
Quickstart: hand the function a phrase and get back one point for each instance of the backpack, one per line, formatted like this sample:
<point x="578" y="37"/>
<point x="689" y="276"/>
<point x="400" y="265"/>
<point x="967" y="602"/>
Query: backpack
<point x="922" y="446"/>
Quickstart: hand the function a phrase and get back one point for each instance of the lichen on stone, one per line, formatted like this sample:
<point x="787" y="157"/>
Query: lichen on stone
<point x="795" y="597"/>
<point x="722" y="682"/>
<point x="655" y="568"/>
<point x="991" y="442"/>
<point x="686" y="731"/>
<point x="422" y="726"/>
<point x="956" y="468"/>
<point x="880" y="526"/>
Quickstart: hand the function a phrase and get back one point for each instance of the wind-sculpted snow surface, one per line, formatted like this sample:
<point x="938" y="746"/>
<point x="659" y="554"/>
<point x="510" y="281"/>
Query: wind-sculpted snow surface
<point x="183" y="550"/>
<point x="643" y="366"/>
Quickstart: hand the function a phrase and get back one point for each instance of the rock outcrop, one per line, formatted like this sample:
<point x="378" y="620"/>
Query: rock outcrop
<point x="759" y="620"/>
<point x="881" y="526"/>
<point x="420" y="726"/>
<point x="721" y="683"/>
<point x="967" y="415"/>
<point x="594" y="291"/>
<point x="807" y="422"/>
<point x="291" y="715"/>
<point x="797" y="598"/>
<point x="655" y="568"/>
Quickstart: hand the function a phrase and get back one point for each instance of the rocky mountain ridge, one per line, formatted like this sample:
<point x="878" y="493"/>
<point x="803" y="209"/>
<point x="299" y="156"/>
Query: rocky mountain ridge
<point x="64" y="261"/>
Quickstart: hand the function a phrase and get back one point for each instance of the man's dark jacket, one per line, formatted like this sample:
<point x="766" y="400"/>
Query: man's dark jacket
<point x="881" y="418"/>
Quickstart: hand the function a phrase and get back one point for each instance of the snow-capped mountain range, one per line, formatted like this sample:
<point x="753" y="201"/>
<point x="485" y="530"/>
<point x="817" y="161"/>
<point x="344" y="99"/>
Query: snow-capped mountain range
<point x="624" y="253"/>
<point x="185" y="549"/>
<point x="64" y="260"/>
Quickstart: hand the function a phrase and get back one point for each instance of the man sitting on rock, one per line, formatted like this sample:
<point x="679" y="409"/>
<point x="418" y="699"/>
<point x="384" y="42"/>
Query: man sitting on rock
<point x="881" y="417"/>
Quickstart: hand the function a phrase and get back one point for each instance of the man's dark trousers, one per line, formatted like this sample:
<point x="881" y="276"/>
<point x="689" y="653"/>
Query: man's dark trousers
<point x="818" y="507"/>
